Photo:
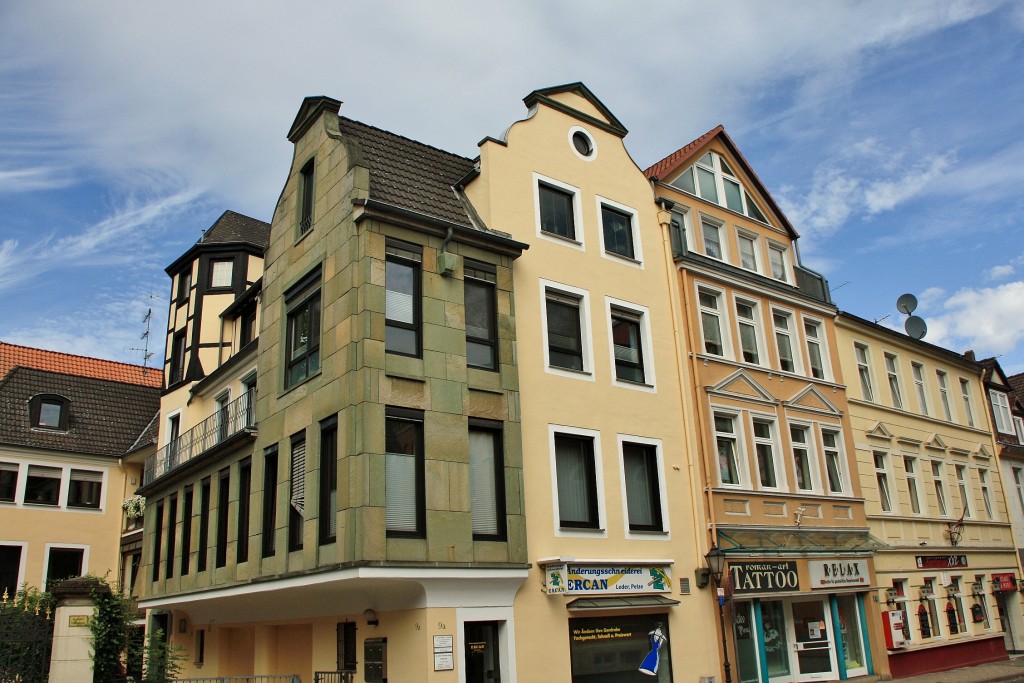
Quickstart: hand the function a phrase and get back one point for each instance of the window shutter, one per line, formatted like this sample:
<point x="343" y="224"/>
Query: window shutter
<point x="298" y="498"/>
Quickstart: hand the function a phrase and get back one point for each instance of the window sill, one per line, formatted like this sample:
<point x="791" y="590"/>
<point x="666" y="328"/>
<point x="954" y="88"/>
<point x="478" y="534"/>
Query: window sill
<point x="302" y="236"/>
<point x="304" y="380"/>
<point x="629" y="384"/>
<point x="568" y="241"/>
<point x="571" y="373"/>
<point x="629" y="260"/>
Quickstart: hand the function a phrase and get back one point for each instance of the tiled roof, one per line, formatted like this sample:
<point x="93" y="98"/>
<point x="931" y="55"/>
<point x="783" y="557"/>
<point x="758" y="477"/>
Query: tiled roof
<point x="12" y="355"/>
<point x="678" y="157"/>
<point x="989" y="365"/>
<point x="106" y="417"/>
<point x="234" y="227"/>
<point x="1017" y="383"/>
<point x="149" y="434"/>
<point x="409" y="174"/>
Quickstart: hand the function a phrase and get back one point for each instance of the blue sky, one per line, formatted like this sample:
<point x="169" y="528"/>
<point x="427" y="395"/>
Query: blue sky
<point x="892" y="134"/>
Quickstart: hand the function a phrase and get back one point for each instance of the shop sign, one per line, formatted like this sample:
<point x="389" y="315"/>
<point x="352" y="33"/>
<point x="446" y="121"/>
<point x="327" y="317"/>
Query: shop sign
<point x="590" y="579"/>
<point x="555" y="579"/>
<point x="838" y="573"/>
<point x="763" y="577"/>
<point x="941" y="561"/>
<point x="1004" y="582"/>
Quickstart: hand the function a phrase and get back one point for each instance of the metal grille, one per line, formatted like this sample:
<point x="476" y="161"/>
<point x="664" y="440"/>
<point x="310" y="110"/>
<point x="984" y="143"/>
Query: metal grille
<point x="334" y="677"/>
<point x="25" y="641"/>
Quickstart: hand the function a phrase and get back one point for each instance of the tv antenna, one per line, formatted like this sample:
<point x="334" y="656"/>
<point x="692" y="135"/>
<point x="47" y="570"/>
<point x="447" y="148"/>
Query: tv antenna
<point x="915" y="325"/>
<point x="146" y="353"/>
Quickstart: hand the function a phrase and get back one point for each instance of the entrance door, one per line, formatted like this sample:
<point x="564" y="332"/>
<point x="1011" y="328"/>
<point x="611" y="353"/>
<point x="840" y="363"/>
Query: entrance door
<point x="812" y="641"/>
<point x="1004" y="620"/>
<point x="482" y="662"/>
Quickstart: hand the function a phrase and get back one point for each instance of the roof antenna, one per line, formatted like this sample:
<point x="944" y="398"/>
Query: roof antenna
<point x="146" y="353"/>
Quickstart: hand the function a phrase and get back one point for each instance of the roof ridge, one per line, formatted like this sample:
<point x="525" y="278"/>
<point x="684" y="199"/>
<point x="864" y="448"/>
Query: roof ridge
<point x="408" y="139"/>
<point x="48" y="357"/>
<point x="76" y="375"/>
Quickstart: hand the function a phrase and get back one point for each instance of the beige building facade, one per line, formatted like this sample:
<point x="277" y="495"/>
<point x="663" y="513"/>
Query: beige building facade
<point x="927" y="464"/>
<point x="777" y="476"/>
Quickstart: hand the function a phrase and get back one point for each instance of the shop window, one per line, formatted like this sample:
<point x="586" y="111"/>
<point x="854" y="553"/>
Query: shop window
<point x="627" y="645"/>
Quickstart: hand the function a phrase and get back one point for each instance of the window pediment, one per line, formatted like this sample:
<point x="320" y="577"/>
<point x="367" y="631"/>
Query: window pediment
<point x="742" y="386"/>
<point x="811" y="398"/>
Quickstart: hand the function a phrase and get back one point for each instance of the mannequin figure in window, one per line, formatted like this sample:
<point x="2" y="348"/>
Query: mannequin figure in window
<point x="650" y="663"/>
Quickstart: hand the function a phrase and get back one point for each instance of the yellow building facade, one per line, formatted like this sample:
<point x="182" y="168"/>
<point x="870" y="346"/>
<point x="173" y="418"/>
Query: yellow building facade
<point x="608" y="467"/>
<point x="933" y="490"/>
<point x="777" y="479"/>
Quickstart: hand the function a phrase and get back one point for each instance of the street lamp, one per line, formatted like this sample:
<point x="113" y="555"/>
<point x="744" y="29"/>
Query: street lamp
<point x="715" y="560"/>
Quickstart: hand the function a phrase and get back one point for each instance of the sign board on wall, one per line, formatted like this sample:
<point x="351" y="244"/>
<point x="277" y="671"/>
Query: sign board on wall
<point x="1004" y="582"/>
<point x="838" y="573"/>
<point x="763" y="577"/>
<point x="941" y="561"/>
<point x="571" y="579"/>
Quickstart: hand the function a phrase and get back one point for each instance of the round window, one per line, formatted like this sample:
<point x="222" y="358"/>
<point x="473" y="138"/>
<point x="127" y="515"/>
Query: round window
<point x="583" y="144"/>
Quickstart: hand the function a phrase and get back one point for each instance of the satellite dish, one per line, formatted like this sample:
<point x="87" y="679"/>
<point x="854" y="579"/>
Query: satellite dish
<point x="907" y="303"/>
<point x="915" y="325"/>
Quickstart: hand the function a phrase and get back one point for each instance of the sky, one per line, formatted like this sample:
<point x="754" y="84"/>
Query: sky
<point x="891" y="134"/>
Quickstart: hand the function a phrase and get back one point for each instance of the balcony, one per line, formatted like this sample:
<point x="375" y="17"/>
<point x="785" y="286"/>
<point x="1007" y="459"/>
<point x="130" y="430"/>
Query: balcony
<point x="231" y="419"/>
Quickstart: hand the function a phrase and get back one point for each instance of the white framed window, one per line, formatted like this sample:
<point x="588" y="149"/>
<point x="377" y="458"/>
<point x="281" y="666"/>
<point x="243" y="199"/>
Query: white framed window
<point x="1018" y="427"/>
<point x="619" y="234"/>
<point x="577" y="480"/>
<point x="713" y="238"/>
<point x="778" y="261"/>
<point x="892" y="373"/>
<point x="1018" y="484"/>
<point x="864" y="371"/>
<point x="713" y="179"/>
<point x="817" y="348"/>
<point x="835" y="463"/>
<point x="961" y="483"/>
<point x="643" y="484"/>
<point x="986" y="495"/>
<point x="581" y="142"/>
<point x="919" y="384"/>
<point x="803" y="457"/>
<point x="764" y="452"/>
<point x="943" y="379"/>
<point x="748" y="324"/>
<point x="782" y="323"/>
<point x="965" y="394"/>
<point x="910" y="466"/>
<point x="747" y="243"/>
<point x="632" y="355"/>
<point x="940" y="488"/>
<point x="558" y="211"/>
<point x="956" y="593"/>
<point x="1001" y="411"/>
<point x="710" y="303"/>
<point x="567" y="334"/>
<point x="728" y="445"/>
<point x="882" y="479"/>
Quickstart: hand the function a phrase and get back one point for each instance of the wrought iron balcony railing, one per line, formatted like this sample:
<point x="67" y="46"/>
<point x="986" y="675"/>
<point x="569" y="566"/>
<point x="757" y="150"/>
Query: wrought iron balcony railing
<point x="229" y="420"/>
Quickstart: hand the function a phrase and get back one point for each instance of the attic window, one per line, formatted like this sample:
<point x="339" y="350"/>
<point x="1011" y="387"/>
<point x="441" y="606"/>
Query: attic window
<point x="582" y="143"/>
<point x="49" y="411"/>
<point x="712" y="178"/>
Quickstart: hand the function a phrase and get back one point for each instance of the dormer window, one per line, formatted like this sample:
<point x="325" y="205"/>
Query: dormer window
<point x="712" y="178"/>
<point x="49" y="411"/>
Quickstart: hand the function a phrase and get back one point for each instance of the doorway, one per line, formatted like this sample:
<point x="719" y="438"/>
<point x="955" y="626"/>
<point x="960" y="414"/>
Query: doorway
<point x="811" y="631"/>
<point x="1006" y="621"/>
<point x="482" y="657"/>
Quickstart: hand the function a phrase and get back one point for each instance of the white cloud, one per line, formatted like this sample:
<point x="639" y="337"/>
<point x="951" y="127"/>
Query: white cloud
<point x="32" y="179"/>
<point x="1000" y="272"/>
<point x="886" y="194"/>
<point x="989" y="320"/>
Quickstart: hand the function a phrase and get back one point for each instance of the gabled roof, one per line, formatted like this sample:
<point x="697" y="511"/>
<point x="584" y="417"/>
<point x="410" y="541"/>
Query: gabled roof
<point x="1017" y="383"/>
<point x="12" y="355"/>
<point x="410" y="175"/>
<point x="546" y="96"/>
<point x="106" y="417"/>
<point x="690" y="152"/>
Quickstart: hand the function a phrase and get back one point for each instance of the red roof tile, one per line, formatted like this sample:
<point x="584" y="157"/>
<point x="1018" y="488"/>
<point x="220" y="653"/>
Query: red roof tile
<point x="676" y="158"/>
<point x="12" y="355"/>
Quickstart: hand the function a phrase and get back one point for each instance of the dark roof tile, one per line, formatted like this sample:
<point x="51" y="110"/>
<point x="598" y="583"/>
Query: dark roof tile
<point x="234" y="227"/>
<point x="106" y="417"/>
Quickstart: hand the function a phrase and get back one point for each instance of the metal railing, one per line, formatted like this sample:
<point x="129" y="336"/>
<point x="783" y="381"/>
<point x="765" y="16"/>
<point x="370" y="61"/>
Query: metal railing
<point x="262" y="678"/>
<point x="226" y="422"/>
<point x="334" y="677"/>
